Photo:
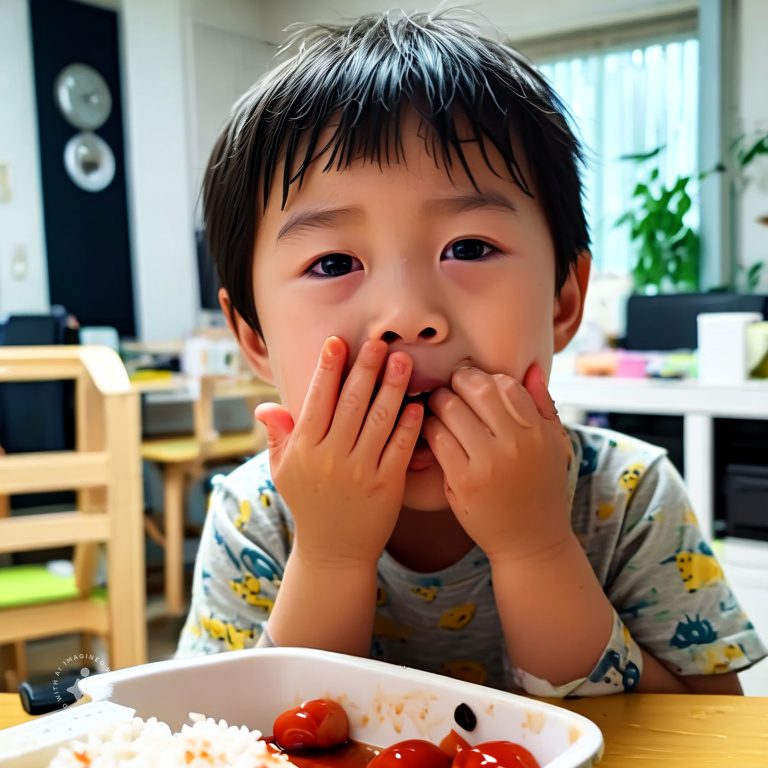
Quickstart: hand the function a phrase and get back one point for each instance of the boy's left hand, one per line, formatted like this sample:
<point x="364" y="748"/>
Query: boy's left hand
<point x="505" y="458"/>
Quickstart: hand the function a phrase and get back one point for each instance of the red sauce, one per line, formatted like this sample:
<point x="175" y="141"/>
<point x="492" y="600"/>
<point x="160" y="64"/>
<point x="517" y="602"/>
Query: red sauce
<point x="353" y="754"/>
<point x="315" y="735"/>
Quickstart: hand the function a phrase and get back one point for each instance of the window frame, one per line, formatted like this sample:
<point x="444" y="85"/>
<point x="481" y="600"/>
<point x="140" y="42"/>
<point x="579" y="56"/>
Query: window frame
<point x="713" y="24"/>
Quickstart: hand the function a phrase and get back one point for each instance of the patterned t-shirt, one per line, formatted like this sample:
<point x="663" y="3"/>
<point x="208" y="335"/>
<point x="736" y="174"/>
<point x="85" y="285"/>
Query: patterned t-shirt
<point x="630" y="511"/>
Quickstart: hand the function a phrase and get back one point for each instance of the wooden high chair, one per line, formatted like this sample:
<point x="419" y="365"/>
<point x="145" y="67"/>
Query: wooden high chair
<point x="183" y="459"/>
<point x="105" y="471"/>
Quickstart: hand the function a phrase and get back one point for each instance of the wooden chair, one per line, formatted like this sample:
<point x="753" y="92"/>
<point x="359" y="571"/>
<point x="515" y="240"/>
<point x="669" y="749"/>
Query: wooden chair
<point x="183" y="459"/>
<point x="105" y="471"/>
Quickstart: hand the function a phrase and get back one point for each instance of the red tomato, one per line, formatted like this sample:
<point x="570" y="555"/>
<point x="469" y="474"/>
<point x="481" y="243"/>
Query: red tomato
<point x="500" y="754"/>
<point x="453" y="743"/>
<point x="315" y="724"/>
<point x="413" y="753"/>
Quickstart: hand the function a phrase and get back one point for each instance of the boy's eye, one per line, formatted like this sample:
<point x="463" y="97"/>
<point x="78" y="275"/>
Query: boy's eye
<point x="335" y="265"/>
<point x="468" y="250"/>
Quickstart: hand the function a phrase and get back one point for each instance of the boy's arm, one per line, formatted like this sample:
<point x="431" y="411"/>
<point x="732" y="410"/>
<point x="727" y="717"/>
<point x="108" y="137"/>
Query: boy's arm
<point x="500" y="446"/>
<point x="557" y="623"/>
<point x="341" y="469"/>
<point x="235" y="580"/>
<point x="656" y="678"/>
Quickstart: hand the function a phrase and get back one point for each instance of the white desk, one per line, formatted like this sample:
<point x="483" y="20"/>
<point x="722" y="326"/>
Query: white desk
<point x="697" y="403"/>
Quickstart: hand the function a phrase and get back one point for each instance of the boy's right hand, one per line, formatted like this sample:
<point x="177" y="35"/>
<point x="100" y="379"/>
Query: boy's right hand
<point x="341" y="467"/>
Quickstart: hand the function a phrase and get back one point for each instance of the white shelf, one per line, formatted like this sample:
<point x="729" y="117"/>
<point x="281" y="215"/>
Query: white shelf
<point x="697" y="403"/>
<point x="662" y="396"/>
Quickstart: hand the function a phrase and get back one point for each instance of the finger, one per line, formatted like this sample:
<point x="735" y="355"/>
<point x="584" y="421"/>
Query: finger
<point x="449" y="452"/>
<point x="517" y="401"/>
<point x="480" y="392"/>
<point x="534" y="383"/>
<point x="355" y="397"/>
<point x="399" y="448"/>
<point x="279" y="426"/>
<point x="383" y="412"/>
<point x="460" y="419"/>
<point x="319" y="404"/>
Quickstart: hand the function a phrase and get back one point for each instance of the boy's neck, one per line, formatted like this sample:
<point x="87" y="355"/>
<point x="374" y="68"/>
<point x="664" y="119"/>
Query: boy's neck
<point x="428" y="541"/>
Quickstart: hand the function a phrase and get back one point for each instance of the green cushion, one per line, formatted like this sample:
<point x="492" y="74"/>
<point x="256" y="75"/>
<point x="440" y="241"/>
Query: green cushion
<point x="22" y="585"/>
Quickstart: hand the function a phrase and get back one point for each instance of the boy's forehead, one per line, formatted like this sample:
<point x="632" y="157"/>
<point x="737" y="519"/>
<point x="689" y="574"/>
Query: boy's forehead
<point x="415" y="146"/>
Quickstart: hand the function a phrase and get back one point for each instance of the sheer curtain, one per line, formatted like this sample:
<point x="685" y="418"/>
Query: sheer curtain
<point x="629" y="101"/>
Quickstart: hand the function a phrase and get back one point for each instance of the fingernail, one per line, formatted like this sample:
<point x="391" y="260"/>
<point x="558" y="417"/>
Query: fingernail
<point x="332" y="346"/>
<point x="411" y="414"/>
<point x="397" y="366"/>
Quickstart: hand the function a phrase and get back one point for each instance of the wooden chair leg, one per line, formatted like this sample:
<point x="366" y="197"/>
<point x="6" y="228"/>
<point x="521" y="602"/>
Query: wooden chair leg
<point x="152" y="530"/>
<point x="13" y="663"/>
<point x="173" y="512"/>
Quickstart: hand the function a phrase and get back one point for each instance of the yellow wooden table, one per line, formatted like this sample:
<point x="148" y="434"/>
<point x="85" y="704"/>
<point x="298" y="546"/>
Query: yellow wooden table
<point x="660" y="730"/>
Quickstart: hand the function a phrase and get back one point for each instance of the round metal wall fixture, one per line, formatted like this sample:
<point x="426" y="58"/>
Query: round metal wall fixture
<point x="83" y="96"/>
<point x="89" y="161"/>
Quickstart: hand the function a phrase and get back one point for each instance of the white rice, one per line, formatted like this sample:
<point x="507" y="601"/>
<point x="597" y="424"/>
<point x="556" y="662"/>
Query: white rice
<point x="150" y="743"/>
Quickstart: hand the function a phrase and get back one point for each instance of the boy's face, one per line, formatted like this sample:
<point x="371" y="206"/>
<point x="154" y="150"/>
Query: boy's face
<point x="401" y="253"/>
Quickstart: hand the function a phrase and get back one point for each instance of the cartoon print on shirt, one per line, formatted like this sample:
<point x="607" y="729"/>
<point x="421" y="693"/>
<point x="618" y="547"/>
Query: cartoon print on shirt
<point x="248" y="587"/>
<point x="696" y="631"/>
<point x="609" y="672"/>
<point x="458" y="617"/>
<point x="588" y="462"/>
<point x="226" y="632"/>
<point x="697" y="569"/>
<point x="244" y="515"/>
<point x="389" y="629"/>
<point x="630" y="477"/>
<point x="465" y="669"/>
<point x="719" y="659"/>
<point x="425" y="593"/>
<point x="605" y="510"/>
<point x="219" y="539"/>
<point x="260" y="564"/>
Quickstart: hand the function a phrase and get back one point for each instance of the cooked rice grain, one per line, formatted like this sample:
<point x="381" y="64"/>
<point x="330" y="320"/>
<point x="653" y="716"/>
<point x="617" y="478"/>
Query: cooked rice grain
<point x="150" y="743"/>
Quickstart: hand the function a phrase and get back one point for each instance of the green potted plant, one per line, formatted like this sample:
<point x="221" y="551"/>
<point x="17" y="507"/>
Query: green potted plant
<point x="667" y="248"/>
<point x="746" y="152"/>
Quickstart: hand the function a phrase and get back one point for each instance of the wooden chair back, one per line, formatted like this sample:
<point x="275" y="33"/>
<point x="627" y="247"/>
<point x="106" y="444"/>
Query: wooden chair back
<point x="104" y="470"/>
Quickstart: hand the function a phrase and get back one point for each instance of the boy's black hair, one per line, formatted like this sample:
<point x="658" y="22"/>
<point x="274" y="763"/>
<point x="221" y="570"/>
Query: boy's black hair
<point x="357" y="78"/>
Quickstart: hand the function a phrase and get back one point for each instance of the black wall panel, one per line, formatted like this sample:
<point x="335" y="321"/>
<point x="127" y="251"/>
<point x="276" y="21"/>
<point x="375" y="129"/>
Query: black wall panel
<point x="86" y="233"/>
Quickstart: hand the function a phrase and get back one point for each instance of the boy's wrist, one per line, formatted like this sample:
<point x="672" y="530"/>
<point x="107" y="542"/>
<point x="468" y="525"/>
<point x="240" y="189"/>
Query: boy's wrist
<point x="536" y="554"/>
<point x="322" y="562"/>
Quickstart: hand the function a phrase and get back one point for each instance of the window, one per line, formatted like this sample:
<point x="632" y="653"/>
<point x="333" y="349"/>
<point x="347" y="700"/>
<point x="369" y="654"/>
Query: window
<point x="625" y="99"/>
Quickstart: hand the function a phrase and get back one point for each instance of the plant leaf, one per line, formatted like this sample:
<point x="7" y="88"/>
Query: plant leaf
<point x="639" y="157"/>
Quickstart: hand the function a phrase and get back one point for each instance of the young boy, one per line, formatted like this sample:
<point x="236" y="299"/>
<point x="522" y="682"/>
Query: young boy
<point x="395" y="214"/>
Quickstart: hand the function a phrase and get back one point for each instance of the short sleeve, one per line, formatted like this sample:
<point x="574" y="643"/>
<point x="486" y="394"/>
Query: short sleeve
<point x="669" y="588"/>
<point x="239" y="564"/>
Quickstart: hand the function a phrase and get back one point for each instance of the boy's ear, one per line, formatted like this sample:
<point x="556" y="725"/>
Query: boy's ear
<point x="250" y="342"/>
<point x="569" y="304"/>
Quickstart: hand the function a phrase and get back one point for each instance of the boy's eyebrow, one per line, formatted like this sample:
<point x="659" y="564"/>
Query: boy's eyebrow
<point x="313" y="218"/>
<point x="317" y="218"/>
<point x="470" y="201"/>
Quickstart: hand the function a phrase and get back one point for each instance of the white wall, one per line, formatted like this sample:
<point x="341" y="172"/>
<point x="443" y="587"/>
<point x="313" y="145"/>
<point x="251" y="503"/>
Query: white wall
<point x="518" y="18"/>
<point x="225" y="56"/>
<point x="158" y="168"/>
<point x="753" y="94"/>
<point x="21" y="216"/>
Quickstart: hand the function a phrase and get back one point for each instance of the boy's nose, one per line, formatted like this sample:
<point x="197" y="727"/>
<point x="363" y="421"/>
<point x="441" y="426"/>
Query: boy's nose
<point x="410" y="324"/>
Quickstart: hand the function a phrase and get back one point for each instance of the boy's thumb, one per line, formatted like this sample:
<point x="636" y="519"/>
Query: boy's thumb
<point x="278" y="422"/>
